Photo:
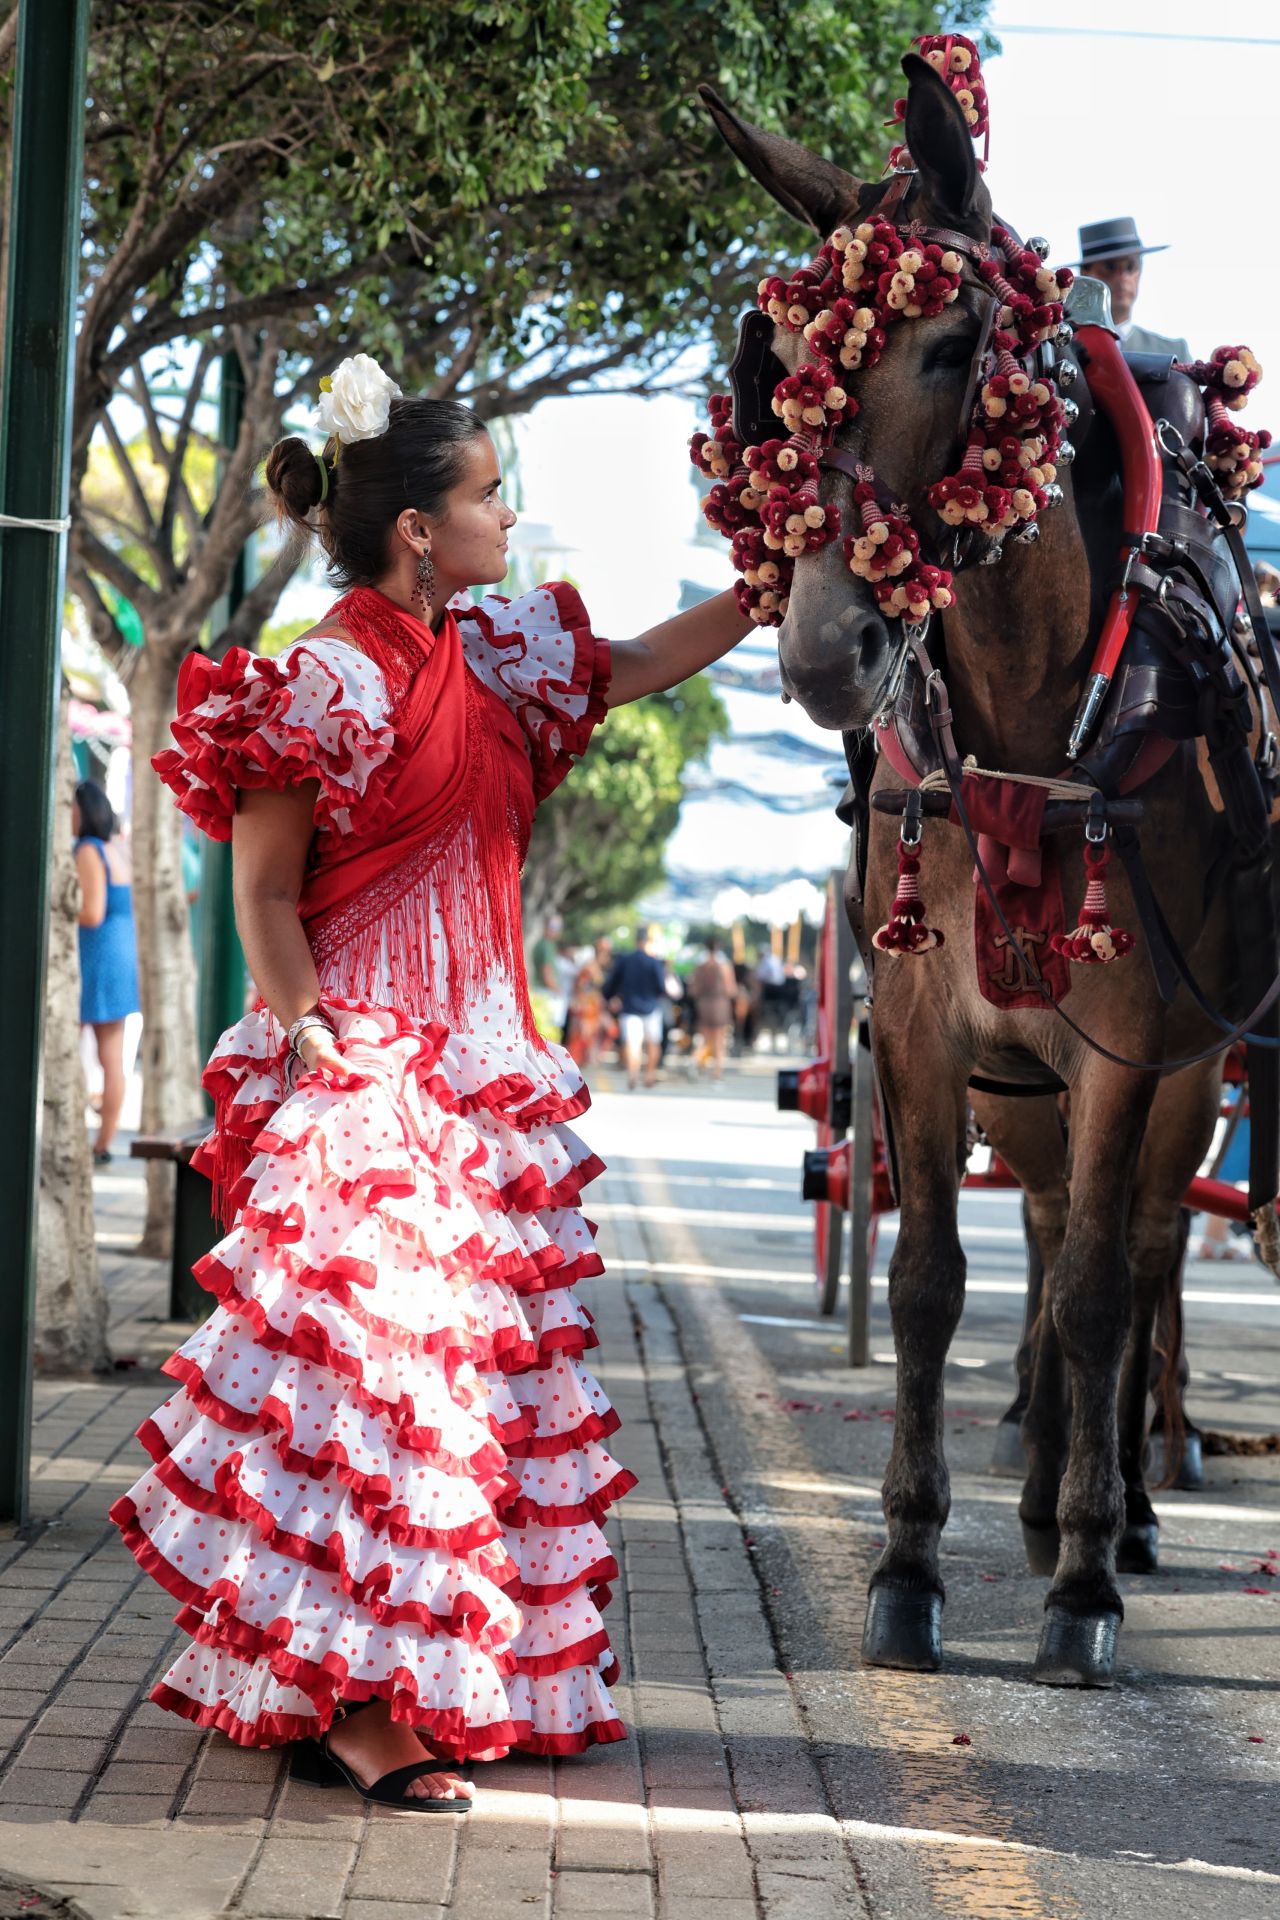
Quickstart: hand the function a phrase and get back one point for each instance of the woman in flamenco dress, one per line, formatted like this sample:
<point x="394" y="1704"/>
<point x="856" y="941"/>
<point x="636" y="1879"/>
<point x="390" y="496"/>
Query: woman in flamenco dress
<point x="377" y="1491"/>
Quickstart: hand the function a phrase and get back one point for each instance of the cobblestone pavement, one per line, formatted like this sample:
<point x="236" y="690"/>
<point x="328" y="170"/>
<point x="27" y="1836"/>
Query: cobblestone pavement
<point x="769" y="1777"/>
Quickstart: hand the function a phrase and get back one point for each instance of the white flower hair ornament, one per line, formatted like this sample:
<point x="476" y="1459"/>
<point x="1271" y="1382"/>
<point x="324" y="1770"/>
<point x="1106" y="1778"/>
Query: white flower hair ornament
<point x="355" y="401"/>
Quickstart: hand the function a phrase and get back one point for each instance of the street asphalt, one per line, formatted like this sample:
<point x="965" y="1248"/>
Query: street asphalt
<point x="972" y="1792"/>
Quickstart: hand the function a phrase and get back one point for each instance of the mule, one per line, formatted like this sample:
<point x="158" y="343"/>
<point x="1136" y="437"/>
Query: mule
<point x="1016" y="647"/>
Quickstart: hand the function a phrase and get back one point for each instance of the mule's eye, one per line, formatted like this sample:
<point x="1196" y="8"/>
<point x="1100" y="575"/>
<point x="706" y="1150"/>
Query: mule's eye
<point x="955" y="352"/>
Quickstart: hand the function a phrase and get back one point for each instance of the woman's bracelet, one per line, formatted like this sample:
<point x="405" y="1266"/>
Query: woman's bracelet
<point x="311" y="1022"/>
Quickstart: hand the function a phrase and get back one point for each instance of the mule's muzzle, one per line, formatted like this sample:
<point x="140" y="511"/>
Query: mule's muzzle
<point x="839" y="667"/>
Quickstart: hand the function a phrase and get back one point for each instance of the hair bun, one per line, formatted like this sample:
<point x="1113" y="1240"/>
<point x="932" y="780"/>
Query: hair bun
<point x="294" y="477"/>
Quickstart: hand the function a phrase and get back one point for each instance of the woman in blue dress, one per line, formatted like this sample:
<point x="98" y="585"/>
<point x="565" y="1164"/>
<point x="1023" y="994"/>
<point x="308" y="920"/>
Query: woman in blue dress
<point x="108" y="948"/>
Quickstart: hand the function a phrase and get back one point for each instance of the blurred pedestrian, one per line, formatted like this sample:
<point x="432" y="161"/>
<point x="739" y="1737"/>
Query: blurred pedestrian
<point x="585" y="1025"/>
<point x="1111" y="251"/>
<point x="635" y="989"/>
<point x="108" y="947"/>
<point x="546" y="972"/>
<point x="771" y="979"/>
<point x="712" y="988"/>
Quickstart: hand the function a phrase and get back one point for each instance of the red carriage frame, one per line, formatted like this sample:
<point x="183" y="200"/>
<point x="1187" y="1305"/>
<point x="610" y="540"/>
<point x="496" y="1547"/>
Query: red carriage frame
<point x="847" y="1174"/>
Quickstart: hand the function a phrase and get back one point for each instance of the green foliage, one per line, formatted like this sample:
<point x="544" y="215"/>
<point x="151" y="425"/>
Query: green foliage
<point x="600" y="841"/>
<point x="508" y="181"/>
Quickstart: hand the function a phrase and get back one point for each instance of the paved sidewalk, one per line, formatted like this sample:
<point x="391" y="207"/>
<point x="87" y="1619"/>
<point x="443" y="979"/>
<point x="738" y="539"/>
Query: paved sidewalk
<point x="120" y="1809"/>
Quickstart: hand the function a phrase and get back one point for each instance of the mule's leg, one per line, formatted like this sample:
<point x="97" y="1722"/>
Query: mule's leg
<point x="1030" y="1138"/>
<point x="1090" y="1300"/>
<point x="926" y="1101"/>
<point x="1177" y="1139"/>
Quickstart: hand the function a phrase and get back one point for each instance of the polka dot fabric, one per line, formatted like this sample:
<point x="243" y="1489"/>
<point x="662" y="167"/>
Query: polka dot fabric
<point x="383" y="1471"/>
<point x="538" y="655"/>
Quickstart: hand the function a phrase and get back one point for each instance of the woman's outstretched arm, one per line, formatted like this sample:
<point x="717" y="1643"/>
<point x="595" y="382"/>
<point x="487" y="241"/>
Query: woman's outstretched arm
<point x="668" y="654"/>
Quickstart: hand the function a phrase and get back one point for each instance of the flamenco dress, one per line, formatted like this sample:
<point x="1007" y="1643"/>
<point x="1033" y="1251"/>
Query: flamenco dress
<point x="382" y="1474"/>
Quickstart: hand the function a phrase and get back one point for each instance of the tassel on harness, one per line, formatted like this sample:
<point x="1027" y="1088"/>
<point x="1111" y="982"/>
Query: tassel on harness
<point x="1095" y="942"/>
<point x="905" y="931"/>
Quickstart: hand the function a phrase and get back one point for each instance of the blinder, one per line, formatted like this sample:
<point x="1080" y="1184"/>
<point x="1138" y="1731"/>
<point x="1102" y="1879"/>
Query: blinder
<point x="754" y="374"/>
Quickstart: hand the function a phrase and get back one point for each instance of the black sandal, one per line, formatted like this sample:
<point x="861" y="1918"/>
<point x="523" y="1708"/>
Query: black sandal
<point x="313" y="1765"/>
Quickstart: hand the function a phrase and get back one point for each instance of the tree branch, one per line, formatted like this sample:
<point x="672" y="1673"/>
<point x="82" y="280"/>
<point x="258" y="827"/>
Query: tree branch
<point x="181" y="441"/>
<point x="102" y="626"/>
<point x="145" y="529"/>
<point x="259" y="602"/>
<point x="92" y="553"/>
<point x="462" y="364"/>
<point x="140" y="392"/>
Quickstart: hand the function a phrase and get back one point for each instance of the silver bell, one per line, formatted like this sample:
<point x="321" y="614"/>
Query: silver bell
<point x="1066" y="373"/>
<point x="1039" y="245"/>
<point x="1070" y="413"/>
<point x="1028" y="535"/>
<point x="993" y="555"/>
<point x="1065" y="455"/>
<point x="1053" y="495"/>
<point x="1066" y="333"/>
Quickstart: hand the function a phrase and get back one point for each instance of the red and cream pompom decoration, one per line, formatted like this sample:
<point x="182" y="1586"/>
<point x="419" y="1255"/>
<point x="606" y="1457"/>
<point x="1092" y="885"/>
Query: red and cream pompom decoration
<point x="905" y="930"/>
<point x="954" y="58"/>
<point x="1232" y="452"/>
<point x="865" y="279"/>
<point x="1095" y="942"/>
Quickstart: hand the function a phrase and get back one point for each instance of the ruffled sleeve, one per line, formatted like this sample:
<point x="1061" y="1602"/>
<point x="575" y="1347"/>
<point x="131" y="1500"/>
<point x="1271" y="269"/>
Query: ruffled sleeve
<point x="318" y="711"/>
<point x="539" y="655"/>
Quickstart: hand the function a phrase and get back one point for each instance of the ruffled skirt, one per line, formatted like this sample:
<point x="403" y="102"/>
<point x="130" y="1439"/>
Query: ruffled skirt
<point x="383" y="1472"/>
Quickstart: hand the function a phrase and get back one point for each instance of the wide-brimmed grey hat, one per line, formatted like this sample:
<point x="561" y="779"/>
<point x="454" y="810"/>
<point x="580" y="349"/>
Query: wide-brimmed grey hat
<point x="1105" y="239"/>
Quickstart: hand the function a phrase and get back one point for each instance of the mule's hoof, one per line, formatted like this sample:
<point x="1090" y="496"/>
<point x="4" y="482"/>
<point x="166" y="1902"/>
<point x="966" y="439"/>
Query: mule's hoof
<point x="1008" y="1456"/>
<point x="1190" y="1475"/>
<point x="1077" y="1649"/>
<point x="1041" y="1547"/>
<point x="903" y="1630"/>
<point x="1138" y="1550"/>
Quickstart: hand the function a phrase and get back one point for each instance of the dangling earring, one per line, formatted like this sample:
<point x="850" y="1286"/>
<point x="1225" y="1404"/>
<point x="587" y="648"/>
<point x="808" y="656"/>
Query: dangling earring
<point x="425" y="585"/>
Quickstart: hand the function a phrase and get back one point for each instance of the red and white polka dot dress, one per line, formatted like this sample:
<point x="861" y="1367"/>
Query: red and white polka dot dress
<point x="383" y="1470"/>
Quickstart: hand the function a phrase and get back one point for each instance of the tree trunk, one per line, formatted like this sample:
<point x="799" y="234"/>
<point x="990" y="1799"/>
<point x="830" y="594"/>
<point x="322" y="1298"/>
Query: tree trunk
<point x="171" y="1096"/>
<point x="71" y="1306"/>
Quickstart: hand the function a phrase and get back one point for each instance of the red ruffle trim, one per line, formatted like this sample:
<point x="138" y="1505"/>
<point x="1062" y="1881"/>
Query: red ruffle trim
<point x="467" y="1621"/>
<point x="548" y="1446"/>
<point x="526" y="1512"/>
<point x="217" y="755"/>
<point x="447" y="1732"/>
<point x="556" y="738"/>
<point x="307" y="1340"/>
<point x="369" y="1493"/>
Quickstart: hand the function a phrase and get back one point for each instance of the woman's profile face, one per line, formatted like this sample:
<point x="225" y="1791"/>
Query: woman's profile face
<point x="469" y="548"/>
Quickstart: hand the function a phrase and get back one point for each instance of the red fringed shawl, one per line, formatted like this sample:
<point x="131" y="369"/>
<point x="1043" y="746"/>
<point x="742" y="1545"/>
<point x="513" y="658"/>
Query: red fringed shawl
<point x="454" y="805"/>
<point x="449" y="809"/>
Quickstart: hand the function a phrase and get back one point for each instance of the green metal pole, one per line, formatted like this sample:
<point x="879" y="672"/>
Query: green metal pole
<point x="46" y="165"/>
<point x="220" y="958"/>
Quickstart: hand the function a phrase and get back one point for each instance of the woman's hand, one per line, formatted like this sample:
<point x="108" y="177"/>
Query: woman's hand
<point x="319" y="1051"/>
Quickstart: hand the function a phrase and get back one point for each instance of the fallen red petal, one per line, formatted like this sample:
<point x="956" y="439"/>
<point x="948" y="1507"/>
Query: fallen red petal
<point x="961" y="1740"/>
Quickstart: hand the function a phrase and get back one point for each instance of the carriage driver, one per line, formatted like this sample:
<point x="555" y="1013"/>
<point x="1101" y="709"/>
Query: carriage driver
<point x="1111" y="251"/>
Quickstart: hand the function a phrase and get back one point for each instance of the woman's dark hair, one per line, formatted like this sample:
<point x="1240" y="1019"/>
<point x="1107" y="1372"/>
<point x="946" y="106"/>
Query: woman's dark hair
<point x="414" y="463"/>
<point x="97" y="819"/>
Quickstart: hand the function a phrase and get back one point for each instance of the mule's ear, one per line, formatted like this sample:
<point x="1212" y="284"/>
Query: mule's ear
<point x="939" y="139"/>
<point x="810" y="188"/>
